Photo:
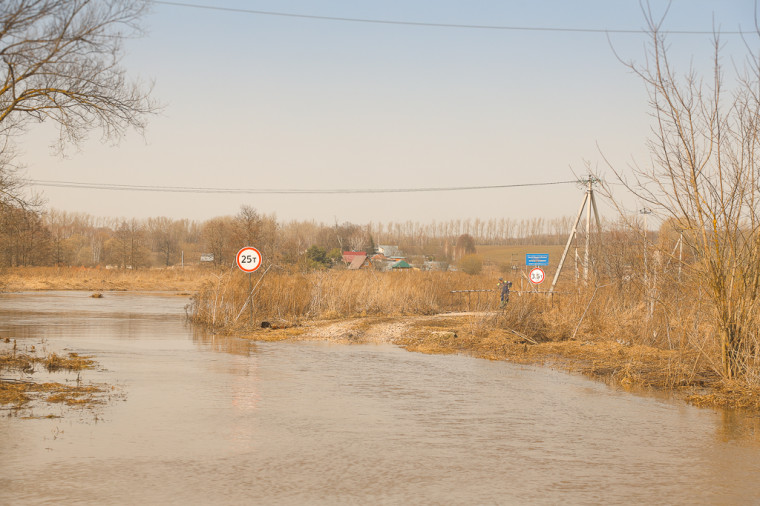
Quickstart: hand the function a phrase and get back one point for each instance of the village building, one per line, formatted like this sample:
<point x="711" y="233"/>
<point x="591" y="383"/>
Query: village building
<point x="387" y="258"/>
<point x="399" y="264"/>
<point x="356" y="260"/>
<point x="389" y="252"/>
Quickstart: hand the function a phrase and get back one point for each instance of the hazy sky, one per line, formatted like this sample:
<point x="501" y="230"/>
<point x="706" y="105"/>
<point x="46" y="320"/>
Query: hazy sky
<point x="258" y="101"/>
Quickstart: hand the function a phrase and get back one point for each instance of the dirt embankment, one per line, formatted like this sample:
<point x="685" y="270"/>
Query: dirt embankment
<point x="633" y="367"/>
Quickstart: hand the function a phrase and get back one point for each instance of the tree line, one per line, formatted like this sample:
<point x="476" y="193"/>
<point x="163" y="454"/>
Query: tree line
<point x="36" y="237"/>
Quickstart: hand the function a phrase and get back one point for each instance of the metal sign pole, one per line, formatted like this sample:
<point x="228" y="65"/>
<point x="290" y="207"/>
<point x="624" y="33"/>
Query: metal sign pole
<point x="250" y="294"/>
<point x="248" y="259"/>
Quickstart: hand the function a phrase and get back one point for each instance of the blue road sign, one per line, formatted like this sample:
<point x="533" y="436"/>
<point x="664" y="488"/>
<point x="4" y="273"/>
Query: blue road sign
<point x="537" y="259"/>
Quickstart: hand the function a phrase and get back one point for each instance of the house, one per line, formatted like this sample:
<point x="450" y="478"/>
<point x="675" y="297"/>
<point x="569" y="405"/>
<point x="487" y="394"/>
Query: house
<point x="356" y="260"/>
<point x="389" y="251"/>
<point x="399" y="264"/>
<point x="348" y="256"/>
<point x="360" y="262"/>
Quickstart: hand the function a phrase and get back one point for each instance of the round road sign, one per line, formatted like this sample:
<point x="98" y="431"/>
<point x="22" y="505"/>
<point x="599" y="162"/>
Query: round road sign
<point x="537" y="276"/>
<point x="248" y="259"/>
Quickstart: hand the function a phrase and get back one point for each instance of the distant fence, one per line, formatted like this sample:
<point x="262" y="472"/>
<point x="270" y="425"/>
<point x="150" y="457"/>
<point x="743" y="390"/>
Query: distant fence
<point x="468" y="293"/>
<point x="491" y="303"/>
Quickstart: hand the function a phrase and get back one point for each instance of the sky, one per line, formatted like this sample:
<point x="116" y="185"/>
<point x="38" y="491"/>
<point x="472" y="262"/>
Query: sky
<point x="254" y="101"/>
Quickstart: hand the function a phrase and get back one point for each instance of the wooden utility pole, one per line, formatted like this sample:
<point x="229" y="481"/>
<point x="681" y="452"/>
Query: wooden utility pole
<point x="646" y="212"/>
<point x="589" y="199"/>
<point x="680" y="256"/>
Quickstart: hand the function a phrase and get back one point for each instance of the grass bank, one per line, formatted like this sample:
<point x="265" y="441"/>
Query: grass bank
<point x="19" y="279"/>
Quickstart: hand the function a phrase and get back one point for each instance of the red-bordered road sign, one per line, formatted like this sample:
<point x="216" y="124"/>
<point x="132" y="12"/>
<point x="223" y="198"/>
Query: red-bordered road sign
<point x="537" y="276"/>
<point x="248" y="259"/>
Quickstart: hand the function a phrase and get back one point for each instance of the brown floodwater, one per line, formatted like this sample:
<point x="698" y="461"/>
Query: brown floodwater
<point x="209" y="420"/>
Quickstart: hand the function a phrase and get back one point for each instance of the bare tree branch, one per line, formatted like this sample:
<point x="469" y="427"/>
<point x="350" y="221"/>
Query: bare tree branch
<point x="61" y="63"/>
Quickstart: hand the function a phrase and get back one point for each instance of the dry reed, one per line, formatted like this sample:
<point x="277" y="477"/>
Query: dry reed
<point x="224" y="302"/>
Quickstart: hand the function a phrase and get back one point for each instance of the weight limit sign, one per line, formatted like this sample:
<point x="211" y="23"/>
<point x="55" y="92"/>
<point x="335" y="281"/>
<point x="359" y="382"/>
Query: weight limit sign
<point x="248" y="259"/>
<point x="537" y="276"/>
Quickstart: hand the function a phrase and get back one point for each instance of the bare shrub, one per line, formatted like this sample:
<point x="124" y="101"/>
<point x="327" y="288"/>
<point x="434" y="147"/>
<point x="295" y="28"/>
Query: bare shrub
<point x="471" y="264"/>
<point x="704" y="177"/>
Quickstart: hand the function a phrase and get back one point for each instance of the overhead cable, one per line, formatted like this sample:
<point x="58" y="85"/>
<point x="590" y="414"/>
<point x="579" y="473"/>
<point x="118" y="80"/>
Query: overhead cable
<point x="273" y="191"/>
<point x="441" y="25"/>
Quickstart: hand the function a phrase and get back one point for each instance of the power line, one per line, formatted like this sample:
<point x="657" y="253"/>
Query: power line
<point x="272" y="191"/>
<point x="440" y="25"/>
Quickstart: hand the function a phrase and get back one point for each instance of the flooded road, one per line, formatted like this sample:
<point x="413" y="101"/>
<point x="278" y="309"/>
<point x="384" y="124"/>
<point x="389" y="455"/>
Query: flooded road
<point x="209" y="420"/>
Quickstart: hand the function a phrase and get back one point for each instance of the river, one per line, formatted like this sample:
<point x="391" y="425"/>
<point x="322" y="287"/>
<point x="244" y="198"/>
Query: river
<point x="201" y="419"/>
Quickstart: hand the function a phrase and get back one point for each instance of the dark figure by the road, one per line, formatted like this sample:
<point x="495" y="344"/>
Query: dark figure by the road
<point x="503" y="287"/>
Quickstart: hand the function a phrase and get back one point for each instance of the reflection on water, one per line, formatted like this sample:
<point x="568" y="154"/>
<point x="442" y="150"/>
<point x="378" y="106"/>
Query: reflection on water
<point x="210" y="419"/>
<point x="736" y="426"/>
<point x="226" y="344"/>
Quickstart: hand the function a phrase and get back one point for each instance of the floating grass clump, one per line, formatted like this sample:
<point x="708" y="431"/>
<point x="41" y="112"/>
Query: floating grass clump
<point x="72" y="362"/>
<point x="20" y="392"/>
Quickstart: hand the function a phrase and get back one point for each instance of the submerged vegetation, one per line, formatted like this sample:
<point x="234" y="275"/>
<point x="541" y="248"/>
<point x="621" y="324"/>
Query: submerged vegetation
<point x="20" y="391"/>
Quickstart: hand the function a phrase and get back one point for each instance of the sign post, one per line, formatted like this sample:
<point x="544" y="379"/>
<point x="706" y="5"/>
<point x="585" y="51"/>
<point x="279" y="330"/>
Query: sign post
<point x="248" y="259"/>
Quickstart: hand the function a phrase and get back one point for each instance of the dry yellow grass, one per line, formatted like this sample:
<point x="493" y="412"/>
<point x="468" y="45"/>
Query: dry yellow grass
<point x="81" y="278"/>
<point x="72" y="362"/>
<point x="18" y="394"/>
<point x="281" y="297"/>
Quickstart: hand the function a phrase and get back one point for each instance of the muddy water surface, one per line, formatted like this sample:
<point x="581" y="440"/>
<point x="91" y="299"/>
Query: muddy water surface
<point x="226" y="421"/>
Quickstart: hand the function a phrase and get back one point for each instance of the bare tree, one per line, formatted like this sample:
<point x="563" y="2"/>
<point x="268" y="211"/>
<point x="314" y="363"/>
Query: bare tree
<point x="60" y="225"/>
<point x="11" y="185"/>
<point x="465" y="246"/>
<point x="706" y="179"/>
<point x="126" y="247"/>
<point x="24" y="240"/>
<point x="164" y="236"/>
<point x="215" y="234"/>
<point x="248" y="224"/>
<point x="60" y="61"/>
